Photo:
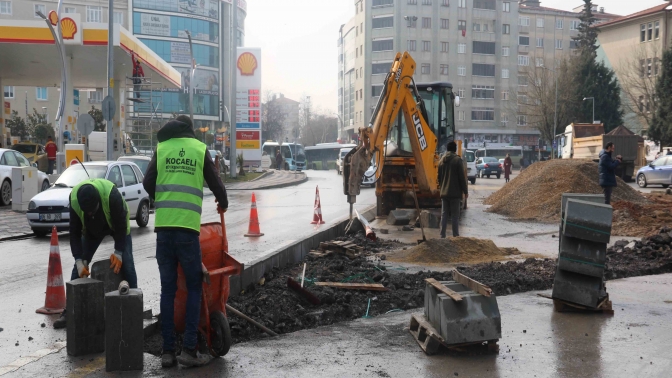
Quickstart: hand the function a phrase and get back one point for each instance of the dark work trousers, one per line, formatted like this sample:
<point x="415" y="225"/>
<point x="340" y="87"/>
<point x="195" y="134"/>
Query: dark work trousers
<point x="607" y="194"/>
<point x="450" y="207"/>
<point x="90" y="246"/>
<point x="183" y="247"/>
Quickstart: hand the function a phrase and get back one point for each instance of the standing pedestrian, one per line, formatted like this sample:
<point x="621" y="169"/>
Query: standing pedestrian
<point x="508" y="165"/>
<point x="453" y="185"/>
<point x="51" y="149"/>
<point x="278" y="160"/>
<point x="607" y="170"/>
<point x="138" y="75"/>
<point x="174" y="179"/>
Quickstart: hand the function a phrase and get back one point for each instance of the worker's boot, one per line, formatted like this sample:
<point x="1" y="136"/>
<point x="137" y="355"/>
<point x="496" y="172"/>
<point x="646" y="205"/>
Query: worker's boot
<point x="61" y="322"/>
<point x="168" y="359"/>
<point x="192" y="358"/>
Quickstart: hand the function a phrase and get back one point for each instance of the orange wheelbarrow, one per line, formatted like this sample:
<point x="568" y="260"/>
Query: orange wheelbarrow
<point x="217" y="266"/>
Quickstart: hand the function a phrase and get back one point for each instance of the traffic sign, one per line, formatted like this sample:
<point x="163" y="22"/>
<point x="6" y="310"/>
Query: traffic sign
<point x="86" y="124"/>
<point x="108" y="108"/>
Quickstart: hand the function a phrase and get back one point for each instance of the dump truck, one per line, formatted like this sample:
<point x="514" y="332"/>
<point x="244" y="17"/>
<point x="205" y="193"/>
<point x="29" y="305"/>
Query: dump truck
<point x="586" y="140"/>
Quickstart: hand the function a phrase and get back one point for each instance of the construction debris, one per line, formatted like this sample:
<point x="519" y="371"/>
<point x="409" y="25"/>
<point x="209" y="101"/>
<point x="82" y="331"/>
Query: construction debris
<point x="642" y="219"/>
<point x="347" y="248"/>
<point x="450" y="250"/>
<point x="353" y="286"/>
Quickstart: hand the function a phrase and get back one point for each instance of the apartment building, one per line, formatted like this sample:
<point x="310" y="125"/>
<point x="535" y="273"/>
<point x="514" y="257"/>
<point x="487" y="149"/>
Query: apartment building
<point x="480" y="46"/>
<point x="290" y="109"/>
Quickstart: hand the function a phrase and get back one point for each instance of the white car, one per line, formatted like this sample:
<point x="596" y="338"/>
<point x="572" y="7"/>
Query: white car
<point x="52" y="207"/>
<point x="470" y="158"/>
<point x="9" y="159"/>
<point x="369" y="178"/>
<point x="339" y="162"/>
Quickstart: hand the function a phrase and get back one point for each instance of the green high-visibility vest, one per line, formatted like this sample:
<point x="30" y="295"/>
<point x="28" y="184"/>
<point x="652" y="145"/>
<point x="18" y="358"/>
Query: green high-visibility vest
<point x="179" y="183"/>
<point x="104" y="188"/>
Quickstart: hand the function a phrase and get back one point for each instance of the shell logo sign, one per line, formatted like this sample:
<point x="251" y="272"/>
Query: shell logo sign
<point x="247" y="64"/>
<point x="68" y="25"/>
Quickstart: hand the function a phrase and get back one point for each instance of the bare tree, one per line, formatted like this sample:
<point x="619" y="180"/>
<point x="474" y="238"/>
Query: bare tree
<point x="273" y="117"/>
<point x="323" y="128"/>
<point x="638" y="76"/>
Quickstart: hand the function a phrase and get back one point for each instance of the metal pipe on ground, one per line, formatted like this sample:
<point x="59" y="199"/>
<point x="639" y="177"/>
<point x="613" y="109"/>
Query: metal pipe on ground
<point x="367" y="227"/>
<point x="250" y="320"/>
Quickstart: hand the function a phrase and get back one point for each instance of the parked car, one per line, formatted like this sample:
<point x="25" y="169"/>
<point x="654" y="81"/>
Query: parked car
<point x="470" y="158"/>
<point x="487" y="166"/>
<point x="339" y="161"/>
<point x="52" y="207"/>
<point x="658" y="172"/>
<point x="140" y="160"/>
<point x="369" y="178"/>
<point x="223" y="163"/>
<point x="9" y="159"/>
<point x="35" y="153"/>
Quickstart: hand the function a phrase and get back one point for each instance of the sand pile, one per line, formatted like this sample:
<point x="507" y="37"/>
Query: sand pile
<point x="536" y="193"/>
<point x="452" y="250"/>
<point x="634" y="219"/>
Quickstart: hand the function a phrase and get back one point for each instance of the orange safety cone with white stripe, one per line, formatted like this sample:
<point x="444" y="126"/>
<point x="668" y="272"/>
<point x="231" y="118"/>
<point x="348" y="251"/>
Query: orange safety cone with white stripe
<point x="253" y="230"/>
<point x="54" y="303"/>
<point x="317" y="208"/>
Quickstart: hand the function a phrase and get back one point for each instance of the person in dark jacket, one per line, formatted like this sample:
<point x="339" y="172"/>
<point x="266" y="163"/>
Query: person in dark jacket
<point x="607" y="169"/>
<point x="278" y="160"/>
<point x="508" y="166"/>
<point x="453" y="186"/>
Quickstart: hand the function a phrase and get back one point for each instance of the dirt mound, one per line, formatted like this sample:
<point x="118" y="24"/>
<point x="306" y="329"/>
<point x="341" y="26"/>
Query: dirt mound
<point x="536" y="193"/>
<point x="450" y="250"/>
<point x="633" y="219"/>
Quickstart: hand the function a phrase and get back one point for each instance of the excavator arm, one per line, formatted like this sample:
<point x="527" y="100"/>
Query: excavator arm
<point x="399" y="93"/>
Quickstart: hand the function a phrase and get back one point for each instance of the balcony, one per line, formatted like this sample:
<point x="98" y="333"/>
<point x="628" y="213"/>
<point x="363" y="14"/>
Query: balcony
<point x="523" y="49"/>
<point x="523" y="29"/>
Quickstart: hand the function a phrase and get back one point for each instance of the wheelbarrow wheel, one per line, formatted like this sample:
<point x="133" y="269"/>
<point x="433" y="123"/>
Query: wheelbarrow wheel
<point x="220" y="334"/>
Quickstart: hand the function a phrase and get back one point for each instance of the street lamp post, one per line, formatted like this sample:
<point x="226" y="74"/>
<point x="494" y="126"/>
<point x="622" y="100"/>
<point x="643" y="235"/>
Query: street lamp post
<point x="555" y="116"/>
<point x="593" y="99"/>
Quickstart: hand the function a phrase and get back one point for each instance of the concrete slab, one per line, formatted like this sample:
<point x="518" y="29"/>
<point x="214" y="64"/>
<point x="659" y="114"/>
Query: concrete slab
<point x="536" y="342"/>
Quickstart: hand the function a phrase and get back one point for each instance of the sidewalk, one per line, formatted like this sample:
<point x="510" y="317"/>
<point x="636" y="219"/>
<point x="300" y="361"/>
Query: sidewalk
<point x="270" y="180"/>
<point x="13" y="223"/>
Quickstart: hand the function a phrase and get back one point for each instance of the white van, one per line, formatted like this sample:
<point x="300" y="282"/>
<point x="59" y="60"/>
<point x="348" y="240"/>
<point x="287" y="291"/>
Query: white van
<point x="339" y="162"/>
<point x="470" y="158"/>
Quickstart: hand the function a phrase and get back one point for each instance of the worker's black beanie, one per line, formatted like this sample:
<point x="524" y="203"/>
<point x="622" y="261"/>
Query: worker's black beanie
<point x="185" y="119"/>
<point x="88" y="198"/>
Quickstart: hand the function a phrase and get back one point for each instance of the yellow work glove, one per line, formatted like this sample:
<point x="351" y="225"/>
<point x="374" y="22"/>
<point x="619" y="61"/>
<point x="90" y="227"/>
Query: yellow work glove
<point x="82" y="268"/>
<point x="115" y="260"/>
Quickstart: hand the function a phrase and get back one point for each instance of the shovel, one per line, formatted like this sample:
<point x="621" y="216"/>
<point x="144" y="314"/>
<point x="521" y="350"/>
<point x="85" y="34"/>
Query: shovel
<point x="417" y="207"/>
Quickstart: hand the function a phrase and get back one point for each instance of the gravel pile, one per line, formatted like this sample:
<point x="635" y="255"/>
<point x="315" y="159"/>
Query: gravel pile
<point x="450" y="250"/>
<point x="536" y="193"/>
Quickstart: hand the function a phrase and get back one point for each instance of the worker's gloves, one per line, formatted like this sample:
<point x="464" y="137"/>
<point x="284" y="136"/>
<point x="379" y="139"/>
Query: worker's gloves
<point x="82" y="268"/>
<point x="115" y="260"/>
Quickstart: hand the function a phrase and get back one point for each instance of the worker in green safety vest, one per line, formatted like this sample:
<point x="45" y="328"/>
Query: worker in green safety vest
<point x="97" y="209"/>
<point x="175" y="178"/>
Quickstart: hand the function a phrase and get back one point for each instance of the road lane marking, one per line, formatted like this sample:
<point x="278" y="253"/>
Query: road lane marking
<point x="23" y="361"/>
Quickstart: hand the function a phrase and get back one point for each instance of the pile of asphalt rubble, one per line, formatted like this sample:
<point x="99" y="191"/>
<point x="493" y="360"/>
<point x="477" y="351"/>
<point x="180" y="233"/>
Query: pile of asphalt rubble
<point x="281" y="309"/>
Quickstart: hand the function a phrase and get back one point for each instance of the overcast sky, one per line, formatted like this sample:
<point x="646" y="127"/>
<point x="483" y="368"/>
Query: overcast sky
<point x="298" y="39"/>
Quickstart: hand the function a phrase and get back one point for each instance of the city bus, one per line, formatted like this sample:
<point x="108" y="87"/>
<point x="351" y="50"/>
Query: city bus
<point x="293" y="154"/>
<point x="324" y="152"/>
<point x="516" y="152"/>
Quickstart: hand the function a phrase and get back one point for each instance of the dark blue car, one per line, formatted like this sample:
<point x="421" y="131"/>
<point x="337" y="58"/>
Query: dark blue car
<point x="657" y="172"/>
<point x="487" y="166"/>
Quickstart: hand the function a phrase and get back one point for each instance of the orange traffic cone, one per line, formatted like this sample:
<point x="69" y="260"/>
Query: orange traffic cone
<point x="253" y="229"/>
<point x="54" y="303"/>
<point x="317" y="208"/>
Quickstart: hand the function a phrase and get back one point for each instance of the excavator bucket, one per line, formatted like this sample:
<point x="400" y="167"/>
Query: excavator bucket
<point x="355" y="164"/>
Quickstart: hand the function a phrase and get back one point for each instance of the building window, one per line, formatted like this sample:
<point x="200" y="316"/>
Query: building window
<point x="9" y="91"/>
<point x="506" y="6"/>
<point x="476" y="27"/>
<point x="425" y="69"/>
<point x="558" y="44"/>
<point x="505" y="50"/>
<point x="539" y="62"/>
<point x="648" y="67"/>
<point x="461" y="48"/>
<point x="540" y="42"/>
<point x="573" y="45"/>
<point x="574" y="25"/>
<point x="41" y="93"/>
<point x="379" y="3"/>
<point x="656" y="29"/>
<point x="426" y="46"/>
<point x="382" y="22"/>
<point x="445" y="3"/>
<point x="444" y="69"/>
<point x="119" y="18"/>
<point x="426" y="23"/>
<point x="6" y="7"/>
<point x="461" y="25"/>
<point x="39" y="8"/>
<point x="376" y="90"/>
<point x="412" y="22"/>
<point x="461" y="3"/>
<point x="412" y="2"/>
<point x="482" y="92"/>
<point x="96" y="96"/>
<point x="505" y="95"/>
<point x="444" y="47"/>
<point x="505" y="73"/>
<point x="485" y="4"/>
<point x="650" y="31"/>
<point x="380" y="68"/>
<point x="70" y="10"/>
<point x="505" y="120"/>
<point x="540" y="22"/>
<point x="506" y="29"/>
<point x="382" y="45"/>
<point x="461" y="71"/>
<point x="642" y="32"/>
<point x="94" y="14"/>
<point x="426" y="2"/>
<point x="522" y="120"/>
<point x="411" y="45"/>
<point x="522" y="81"/>
<point x="559" y="23"/>
<point x="482" y="114"/>
<point x="523" y="60"/>
<point x="523" y="41"/>
<point x="460" y="115"/>
<point x="460" y="92"/>
<point x="444" y="23"/>
<point x="487" y="48"/>
<point x="524" y="21"/>
<point x="479" y="69"/>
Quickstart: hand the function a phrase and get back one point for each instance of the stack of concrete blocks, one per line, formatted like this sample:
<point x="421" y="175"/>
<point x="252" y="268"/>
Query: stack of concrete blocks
<point x="85" y="316"/>
<point x="584" y="234"/>
<point x="124" y="336"/>
<point x="474" y="319"/>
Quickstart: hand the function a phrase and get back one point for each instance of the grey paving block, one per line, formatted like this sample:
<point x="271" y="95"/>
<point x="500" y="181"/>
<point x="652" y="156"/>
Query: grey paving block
<point x="400" y="217"/>
<point x="577" y="288"/>
<point x="124" y="335"/>
<point x="588" y="221"/>
<point x="85" y="316"/>
<point x="430" y="219"/>
<point x="594" y="198"/>
<point x="582" y="256"/>
<point x="100" y="270"/>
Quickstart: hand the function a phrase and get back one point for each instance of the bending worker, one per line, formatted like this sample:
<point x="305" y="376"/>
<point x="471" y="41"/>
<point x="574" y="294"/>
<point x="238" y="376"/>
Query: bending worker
<point x="98" y="209"/>
<point x="174" y="179"/>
